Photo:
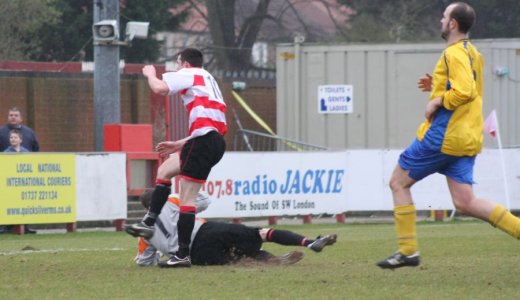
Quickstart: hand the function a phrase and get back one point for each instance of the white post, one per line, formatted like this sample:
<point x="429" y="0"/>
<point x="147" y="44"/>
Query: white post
<point x="502" y="162"/>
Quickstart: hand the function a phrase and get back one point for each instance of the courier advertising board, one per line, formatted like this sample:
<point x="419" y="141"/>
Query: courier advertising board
<point x="37" y="188"/>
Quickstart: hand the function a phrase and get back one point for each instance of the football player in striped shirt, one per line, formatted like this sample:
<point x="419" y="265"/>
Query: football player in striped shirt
<point x="196" y="154"/>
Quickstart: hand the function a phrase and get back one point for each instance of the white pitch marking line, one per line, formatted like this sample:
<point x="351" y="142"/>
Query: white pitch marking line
<point x="17" y="252"/>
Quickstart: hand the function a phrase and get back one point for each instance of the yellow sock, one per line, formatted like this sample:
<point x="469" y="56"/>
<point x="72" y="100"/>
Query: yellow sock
<point x="405" y="225"/>
<point x="500" y="217"/>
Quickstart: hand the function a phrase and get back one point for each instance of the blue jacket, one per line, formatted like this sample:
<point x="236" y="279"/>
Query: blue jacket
<point x="11" y="149"/>
<point x="29" y="140"/>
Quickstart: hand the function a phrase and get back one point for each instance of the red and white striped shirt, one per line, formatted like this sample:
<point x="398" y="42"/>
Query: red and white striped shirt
<point x="202" y="98"/>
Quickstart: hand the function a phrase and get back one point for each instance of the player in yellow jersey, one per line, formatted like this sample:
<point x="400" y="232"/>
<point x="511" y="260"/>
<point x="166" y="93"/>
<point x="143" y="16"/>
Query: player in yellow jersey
<point x="448" y="140"/>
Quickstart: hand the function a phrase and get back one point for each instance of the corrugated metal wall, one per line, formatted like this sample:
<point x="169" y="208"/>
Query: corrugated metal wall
<point x="388" y="106"/>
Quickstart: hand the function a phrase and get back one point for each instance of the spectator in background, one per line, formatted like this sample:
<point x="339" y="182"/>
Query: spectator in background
<point x="15" y="140"/>
<point x="29" y="142"/>
<point x="14" y="121"/>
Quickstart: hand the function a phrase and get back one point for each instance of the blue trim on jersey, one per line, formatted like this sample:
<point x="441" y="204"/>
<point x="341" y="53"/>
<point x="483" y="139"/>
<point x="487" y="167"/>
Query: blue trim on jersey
<point x="434" y="137"/>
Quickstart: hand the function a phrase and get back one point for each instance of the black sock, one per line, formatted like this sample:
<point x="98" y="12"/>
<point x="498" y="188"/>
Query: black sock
<point x="159" y="197"/>
<point x="185" y="228"/>
<point x="286" y="237"/>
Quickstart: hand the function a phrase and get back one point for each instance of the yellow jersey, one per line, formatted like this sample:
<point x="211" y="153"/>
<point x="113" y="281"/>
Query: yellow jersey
<point x="456" y="128"/>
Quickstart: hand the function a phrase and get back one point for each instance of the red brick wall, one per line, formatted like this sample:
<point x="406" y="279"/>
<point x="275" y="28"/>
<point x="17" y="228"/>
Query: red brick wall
<point x="60" y="108"/>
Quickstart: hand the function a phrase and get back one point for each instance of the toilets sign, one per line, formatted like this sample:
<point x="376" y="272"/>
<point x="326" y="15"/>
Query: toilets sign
<point x="335" y="99"/>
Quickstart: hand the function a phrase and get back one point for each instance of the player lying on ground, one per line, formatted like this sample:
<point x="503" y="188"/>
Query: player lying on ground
<point x="217" y="243"/>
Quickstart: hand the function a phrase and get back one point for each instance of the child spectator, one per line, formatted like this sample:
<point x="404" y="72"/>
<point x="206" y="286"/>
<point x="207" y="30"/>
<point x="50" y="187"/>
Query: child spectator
<point x="15" y="141"/>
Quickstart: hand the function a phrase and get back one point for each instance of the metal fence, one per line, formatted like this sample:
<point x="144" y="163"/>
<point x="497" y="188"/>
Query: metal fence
<point x="249" y="140"/>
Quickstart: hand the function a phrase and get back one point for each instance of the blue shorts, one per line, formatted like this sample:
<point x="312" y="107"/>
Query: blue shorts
<point x="421" y="162"/>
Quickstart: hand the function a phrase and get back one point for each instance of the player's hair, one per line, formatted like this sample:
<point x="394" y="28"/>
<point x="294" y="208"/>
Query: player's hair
<point x="193" y="56"/>
<point x="17" y="132"/>
<point x="464" y="14"/>
<point x="146" y="198"/>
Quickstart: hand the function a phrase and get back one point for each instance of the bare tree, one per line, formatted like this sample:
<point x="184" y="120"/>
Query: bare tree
<point x="233" y="47"/>
<point x="392" y="21"/>
<point x="236" y="25"/>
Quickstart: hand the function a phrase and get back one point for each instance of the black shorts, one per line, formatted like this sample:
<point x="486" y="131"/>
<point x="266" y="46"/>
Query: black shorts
<point x="200" y="154"/>
<point x="223" y="243"/>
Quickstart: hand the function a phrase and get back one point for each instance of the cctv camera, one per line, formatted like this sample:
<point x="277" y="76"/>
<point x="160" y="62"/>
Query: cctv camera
<point x="136" y="30"/>
<point x="105" y="31"/>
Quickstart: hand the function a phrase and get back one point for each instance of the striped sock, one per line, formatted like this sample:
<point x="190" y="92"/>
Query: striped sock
<point x="286" y="237"/>
<point x="159" y="197"/>
<point x="185" y="228"/>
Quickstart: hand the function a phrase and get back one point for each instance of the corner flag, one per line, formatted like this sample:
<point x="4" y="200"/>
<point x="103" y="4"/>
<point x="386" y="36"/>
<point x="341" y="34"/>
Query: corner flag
<point x="491" y="125"/>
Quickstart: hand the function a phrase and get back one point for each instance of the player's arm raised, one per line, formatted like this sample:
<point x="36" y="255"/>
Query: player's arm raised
<point x="156" y="85"/>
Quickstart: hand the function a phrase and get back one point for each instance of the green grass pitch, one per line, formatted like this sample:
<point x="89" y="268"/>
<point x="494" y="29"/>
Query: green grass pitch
<point x="460" y="260"/>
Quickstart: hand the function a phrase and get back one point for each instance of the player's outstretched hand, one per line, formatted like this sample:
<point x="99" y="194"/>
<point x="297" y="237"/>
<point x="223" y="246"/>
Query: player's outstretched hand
<point x="167" y="148"/>
<point x="425" y="83"/>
